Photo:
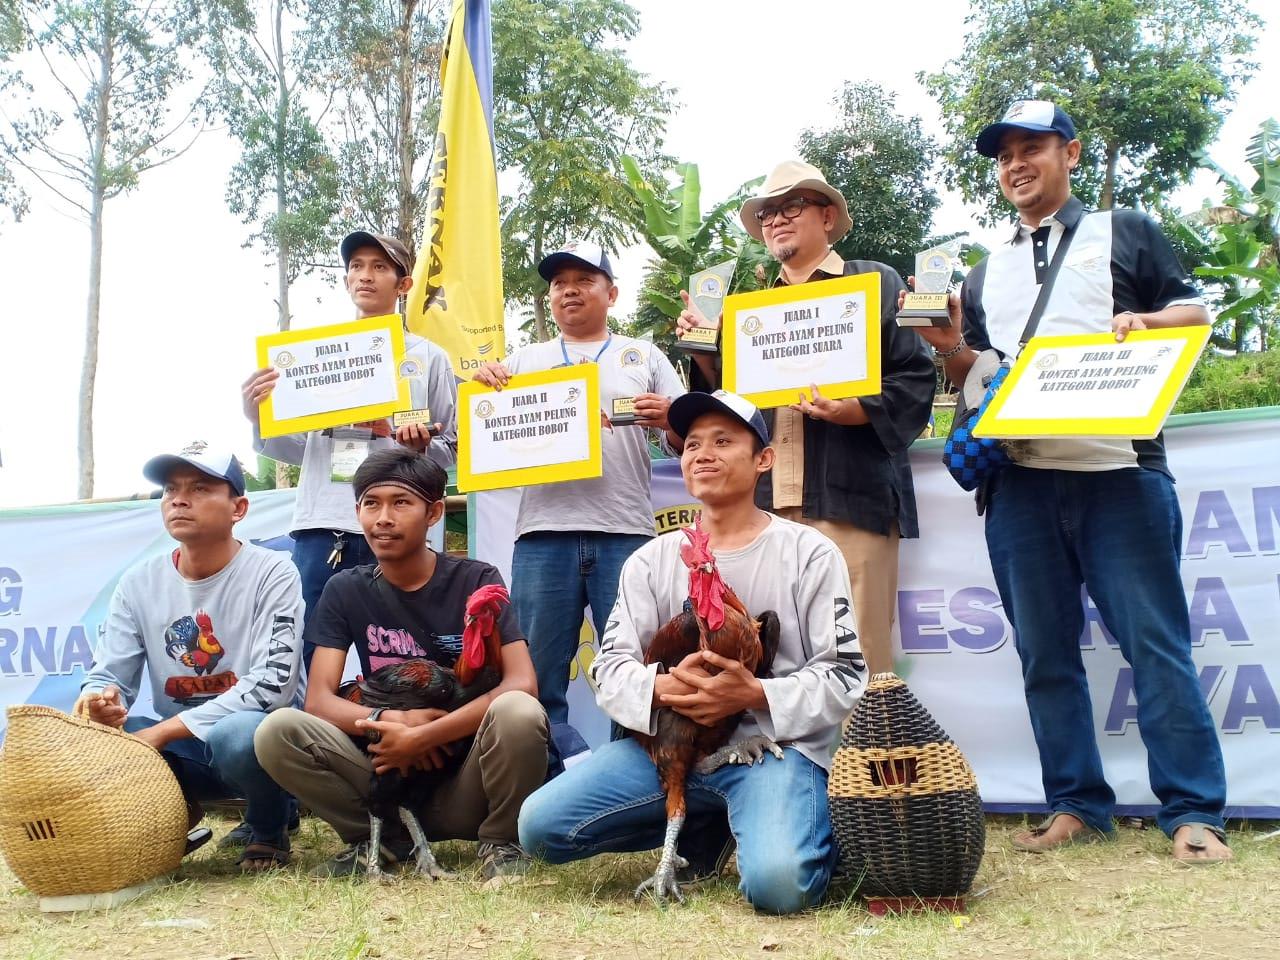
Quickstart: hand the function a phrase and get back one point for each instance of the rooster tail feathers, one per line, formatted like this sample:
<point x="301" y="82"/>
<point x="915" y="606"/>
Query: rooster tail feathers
<point x="770" y="635"/>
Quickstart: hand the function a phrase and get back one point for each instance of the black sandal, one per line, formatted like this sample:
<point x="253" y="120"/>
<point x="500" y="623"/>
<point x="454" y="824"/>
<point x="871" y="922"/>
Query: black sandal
<point x="276" y="857"/>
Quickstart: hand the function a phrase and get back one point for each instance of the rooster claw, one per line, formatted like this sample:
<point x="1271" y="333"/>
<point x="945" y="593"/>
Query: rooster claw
<point x="663" y="884"/>
<point x="749" y="751"/>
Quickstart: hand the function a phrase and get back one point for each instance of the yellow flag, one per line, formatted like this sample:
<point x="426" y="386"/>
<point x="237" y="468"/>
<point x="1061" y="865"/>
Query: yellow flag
<point x="456" y="298"/>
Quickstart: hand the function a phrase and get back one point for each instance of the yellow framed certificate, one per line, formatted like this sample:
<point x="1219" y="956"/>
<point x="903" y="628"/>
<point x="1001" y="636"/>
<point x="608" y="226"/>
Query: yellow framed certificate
<point x="1087" y="385"/>
<point x="777" y="342"/>
<point x="333" y="375"/>
<point x="539" y="428"/>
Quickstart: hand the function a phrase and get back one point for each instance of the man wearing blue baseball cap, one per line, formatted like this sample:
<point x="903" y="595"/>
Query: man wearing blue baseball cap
<point x="1097" y="512"/>
<point x="777" y="808"/>
<point x="572" y="538"/>
<point x="217" y="623"/>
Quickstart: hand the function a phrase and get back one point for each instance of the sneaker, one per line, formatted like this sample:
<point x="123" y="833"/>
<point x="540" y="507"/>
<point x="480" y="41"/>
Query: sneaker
<point x="240" y="835"/>
<point x="502" y="860"/>
<point x="354" y="861"/>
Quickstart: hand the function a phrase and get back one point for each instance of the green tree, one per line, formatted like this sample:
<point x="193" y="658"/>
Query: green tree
<point x="883" y="163"/>
<point x="685" y="241"/>
<point x="383" y="59"/>
<point x="1243" y="245"/>
<point x="567" y="106"/>
<point x="12" y="196"/>
<point x="1145" y="81"/>
<point x="108" y="72"/>
<point x="285" y="183"/>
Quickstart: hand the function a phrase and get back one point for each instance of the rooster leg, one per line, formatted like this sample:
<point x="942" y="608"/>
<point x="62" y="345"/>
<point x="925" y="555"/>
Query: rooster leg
<point x="748" y="751"/>
<point x="374" y="869"/>
<point x="422" y="855"/>
<point x="663" y="884"/>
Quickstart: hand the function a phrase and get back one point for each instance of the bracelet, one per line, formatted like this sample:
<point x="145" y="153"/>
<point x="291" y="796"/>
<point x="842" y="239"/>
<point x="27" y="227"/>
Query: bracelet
<point x="947" y="355"/>
<point x="373" y="736"/>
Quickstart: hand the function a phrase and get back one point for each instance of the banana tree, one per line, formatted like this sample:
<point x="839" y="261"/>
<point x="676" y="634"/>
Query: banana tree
<point x="684" y="241"/>
<point x="1243" y="245"/>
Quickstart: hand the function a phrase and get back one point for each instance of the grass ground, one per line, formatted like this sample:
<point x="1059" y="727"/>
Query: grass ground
<point x="1121" y="900"/>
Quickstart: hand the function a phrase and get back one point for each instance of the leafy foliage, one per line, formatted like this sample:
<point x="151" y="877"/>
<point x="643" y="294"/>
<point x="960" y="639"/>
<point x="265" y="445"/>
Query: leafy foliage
<point x="285" y="183"/>
<point x="567" y="106"/>
<point x="882" y="162"/>
<point x="1144" y="80"/>
<point x="383" y="59"/>
<point x="1240" y="245"/>
<point x="1232" y="383"/>
<point x="111" y="70"/>
<point x="685" y="241"/>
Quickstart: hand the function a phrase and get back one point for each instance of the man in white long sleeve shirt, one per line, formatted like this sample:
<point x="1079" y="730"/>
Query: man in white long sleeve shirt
<point x="326" y="534"/>
<point x="218" y="625"/>
<point x="778" y="808"/>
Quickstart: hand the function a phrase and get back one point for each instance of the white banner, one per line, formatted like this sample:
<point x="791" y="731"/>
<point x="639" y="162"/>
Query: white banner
<point x="58" y="569"/>
<point x="954" y="646"/>
<point x="59" y="566"/>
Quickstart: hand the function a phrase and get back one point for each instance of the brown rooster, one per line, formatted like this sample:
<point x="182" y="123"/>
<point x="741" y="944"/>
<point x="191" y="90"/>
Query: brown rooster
<point x="420" y="684"/>
<point x="713" y="619"/>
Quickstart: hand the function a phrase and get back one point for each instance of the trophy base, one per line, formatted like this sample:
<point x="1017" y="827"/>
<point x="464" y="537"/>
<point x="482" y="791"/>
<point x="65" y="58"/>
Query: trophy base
<point x="918" y="318"/>
<point x="699" y="340"/>
<point x="624" y="412"/>
<point x="924" y="310"/>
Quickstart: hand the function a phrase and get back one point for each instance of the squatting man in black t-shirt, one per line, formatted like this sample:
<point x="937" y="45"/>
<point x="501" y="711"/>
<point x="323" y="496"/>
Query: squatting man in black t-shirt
<point x="410" y="604"/>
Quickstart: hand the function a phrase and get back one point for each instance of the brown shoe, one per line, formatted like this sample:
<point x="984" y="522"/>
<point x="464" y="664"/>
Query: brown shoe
<point x="1038" y="839"/>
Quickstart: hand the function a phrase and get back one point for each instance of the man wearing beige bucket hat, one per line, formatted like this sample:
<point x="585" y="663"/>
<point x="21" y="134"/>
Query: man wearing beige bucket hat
<point x="841" y="464"/>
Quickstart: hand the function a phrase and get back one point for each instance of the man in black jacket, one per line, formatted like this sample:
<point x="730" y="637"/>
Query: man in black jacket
<point x="841" y="465"/>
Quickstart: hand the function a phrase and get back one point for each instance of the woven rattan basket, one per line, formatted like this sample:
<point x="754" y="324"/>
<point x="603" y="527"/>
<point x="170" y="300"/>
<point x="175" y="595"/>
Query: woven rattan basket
<point x="85" y="808"/>
<point x="904" y="801"/>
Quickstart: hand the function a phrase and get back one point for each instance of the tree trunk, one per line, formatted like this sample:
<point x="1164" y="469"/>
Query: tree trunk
<point x="282" y="197"/>
<point x="1108" y="198"/>
<point x="89" y="368"/>
<point x="406" y="201"/>
<point x="540" y="331"/>
<point x="282" y="200"/>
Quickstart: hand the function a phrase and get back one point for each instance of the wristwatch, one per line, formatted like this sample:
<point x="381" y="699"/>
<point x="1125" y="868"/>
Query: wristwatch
<point x="373" y="736"/>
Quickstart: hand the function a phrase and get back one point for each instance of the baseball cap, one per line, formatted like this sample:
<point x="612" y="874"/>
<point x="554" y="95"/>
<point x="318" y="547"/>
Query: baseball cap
<point x="219" y="464"/>
<point x="396" y="251"/>
<point x="576" y="253"/>
<point x="1040" y="116"/>
<point x="688" y="408"/>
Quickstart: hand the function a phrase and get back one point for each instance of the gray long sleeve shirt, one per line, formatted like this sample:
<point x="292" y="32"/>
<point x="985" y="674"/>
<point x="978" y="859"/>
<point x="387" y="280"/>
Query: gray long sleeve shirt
<point x="818" y="673"/>
<point x="212" y="647"/>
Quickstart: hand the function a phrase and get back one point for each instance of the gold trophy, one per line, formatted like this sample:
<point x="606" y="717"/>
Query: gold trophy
<point x="926" y="305"/>
<point x="707" y="290"/>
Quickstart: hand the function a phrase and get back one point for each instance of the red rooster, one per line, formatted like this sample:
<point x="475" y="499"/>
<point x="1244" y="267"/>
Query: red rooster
<point x="418" y="684"/>
<point x="713" y="619"/>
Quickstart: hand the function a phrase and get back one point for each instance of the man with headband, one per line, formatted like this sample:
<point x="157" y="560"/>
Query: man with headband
<point x="410" y="603"/>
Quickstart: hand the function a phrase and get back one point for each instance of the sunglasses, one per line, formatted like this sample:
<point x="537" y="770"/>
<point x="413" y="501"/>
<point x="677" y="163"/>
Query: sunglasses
<point x="790" y="209"/>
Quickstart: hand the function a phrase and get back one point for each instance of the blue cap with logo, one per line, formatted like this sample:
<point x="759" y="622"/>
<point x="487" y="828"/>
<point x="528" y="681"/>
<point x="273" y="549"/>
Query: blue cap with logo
<point x="221" y="465"/>
<point x="1038" y="116"/>
<point x="576" y="253"/>
<point x="686" y="409"/>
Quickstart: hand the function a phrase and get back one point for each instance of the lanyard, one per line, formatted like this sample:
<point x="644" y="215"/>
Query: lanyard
<point x="596" y="359"/>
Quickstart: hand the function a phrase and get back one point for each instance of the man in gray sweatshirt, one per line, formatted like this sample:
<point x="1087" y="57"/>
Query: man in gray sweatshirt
<point x="218" y="625"/>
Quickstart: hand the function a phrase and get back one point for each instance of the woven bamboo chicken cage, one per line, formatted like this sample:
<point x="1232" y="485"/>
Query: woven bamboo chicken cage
<point x="904" y="800"/>
<point x="85" y="809"/>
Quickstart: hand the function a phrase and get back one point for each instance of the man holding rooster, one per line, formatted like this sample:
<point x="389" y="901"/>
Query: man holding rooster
<point x="780" y="701"/>
<point x="406" y="617"/>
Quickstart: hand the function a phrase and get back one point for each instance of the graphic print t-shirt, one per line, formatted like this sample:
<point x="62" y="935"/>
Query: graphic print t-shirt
<point x="388" y="625"/>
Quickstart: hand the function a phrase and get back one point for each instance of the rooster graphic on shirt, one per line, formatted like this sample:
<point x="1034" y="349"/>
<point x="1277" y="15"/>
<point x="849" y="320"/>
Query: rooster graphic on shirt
<point x="191" y="642"/>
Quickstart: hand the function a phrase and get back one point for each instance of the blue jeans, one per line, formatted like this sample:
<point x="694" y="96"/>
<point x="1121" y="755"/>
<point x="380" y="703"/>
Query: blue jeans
<point x="553" y="578"/>
<point x="612" y="803"/>
<point x="224" y="766"/>
<point x="1119" y="532"/>
<point x="311" y="550"/>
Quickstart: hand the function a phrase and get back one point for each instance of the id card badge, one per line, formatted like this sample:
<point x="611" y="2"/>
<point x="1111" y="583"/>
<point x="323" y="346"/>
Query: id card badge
<point x="350" y="448"/>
